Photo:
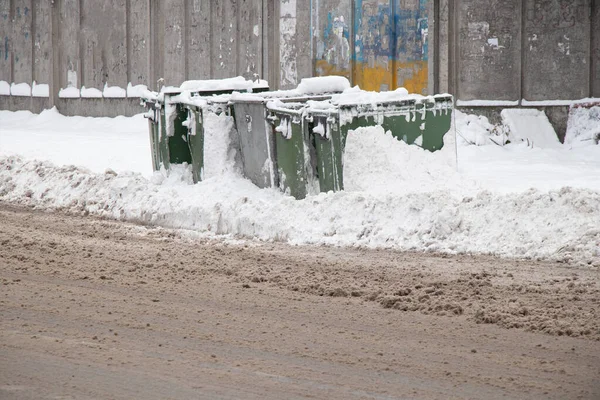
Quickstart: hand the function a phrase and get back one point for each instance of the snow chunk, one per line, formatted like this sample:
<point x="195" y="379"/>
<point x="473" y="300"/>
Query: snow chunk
<point x="114" y="92"/>
<point x="20" y="89"/>
<point x="69" y="93"/>
<point x="136" y="91"/>
<point x="91" y="93"/>
<point x="4" y="88"/>
<point x="40" y="90"/>
<point x="323" y="84"/>
<point x="238" y="83"/>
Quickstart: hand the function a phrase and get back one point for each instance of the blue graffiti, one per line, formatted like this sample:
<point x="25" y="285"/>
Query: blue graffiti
<point x="5" y="48"/>
<point x="336" y="47"/>
<point x="26" y="10"/>
<point x="402" y="37"/>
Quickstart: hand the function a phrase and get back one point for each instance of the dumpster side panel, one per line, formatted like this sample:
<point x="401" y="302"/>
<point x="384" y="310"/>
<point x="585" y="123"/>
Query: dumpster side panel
<point x="257" y="144"/>
<point x="163" y="143"/>
<point x="179" y="151"/>
<point x="290" y="158"/>
<point x="329" y="155"/>
<point x="437" y="125"/>
<point x="196" y="142"/>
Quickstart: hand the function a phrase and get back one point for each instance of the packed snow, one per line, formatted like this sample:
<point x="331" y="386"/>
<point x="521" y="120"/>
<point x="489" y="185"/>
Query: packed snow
<point x="511" y="200"/>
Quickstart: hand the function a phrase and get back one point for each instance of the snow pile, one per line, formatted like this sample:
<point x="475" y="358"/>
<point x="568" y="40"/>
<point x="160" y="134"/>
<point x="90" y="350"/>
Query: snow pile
<point x="120" y="143"/>
<point x="583" y="126"/>
<point x="510" y="201"/>
<point x="531" y="126"/>
<point x="477" y="130"/>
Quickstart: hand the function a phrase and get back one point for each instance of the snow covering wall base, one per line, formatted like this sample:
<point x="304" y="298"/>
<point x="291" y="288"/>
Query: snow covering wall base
<point x="102" y="107"/>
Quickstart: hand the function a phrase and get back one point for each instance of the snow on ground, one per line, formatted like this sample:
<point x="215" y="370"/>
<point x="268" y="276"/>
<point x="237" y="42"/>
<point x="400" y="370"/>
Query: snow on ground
<point x="512" y="200"/>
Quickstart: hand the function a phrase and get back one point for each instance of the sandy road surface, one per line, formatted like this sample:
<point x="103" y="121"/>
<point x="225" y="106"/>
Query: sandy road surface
<point x="93" y="309"/>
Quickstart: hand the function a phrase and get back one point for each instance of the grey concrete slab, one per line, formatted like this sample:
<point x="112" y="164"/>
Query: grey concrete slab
<point x="22" y="43"/>
<point x="138" y="42"/>
<point x="489" y="50"/>
<point x="42" y="41"/>
<point x="556" y="51"/>
<point x="199" y="39"/>
<point x="6" y="34"/>
<point x="69" y="63"/>
<point x="224" y="36"/>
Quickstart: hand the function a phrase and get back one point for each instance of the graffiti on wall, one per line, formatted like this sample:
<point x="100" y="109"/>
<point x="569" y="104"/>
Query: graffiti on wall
<point x="380" y="45"/>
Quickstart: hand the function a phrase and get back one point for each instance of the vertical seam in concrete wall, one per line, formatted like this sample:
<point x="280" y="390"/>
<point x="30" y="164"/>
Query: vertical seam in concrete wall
<point x="523" y="45"/>
<point x="128" y="40"/>
<point x="82" y="44"/>
<point x="55" y="55"/>
<point x="11" y="17"/>
<point x="394" y="46"/>
<point x="353" y="43"/>
<point x="33" y="31"/>
<point x="593" y="60"/>
<point x="453" y="6"/>
<point x="152" y="46"/>
<point x="276" y="70"/>
<point x="186" y="44"/>
<point x="211" y="51"/>
<point x="436" y="46"/>
<point x="238" y="36"/>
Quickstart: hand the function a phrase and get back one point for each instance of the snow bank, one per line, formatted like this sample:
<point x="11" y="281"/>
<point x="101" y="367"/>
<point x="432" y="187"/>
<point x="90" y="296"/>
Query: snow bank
<point x="510" y="201"/>
<point x="559" y="225"/>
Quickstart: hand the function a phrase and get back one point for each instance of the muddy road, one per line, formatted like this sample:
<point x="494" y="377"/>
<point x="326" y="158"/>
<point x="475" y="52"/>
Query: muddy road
<point x="93" y="309"/>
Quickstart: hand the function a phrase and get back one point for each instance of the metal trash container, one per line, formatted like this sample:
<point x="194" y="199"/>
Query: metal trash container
<point x="176" y="119"/>
<point x="273" y="138"/>
<point x="420" y="121"/>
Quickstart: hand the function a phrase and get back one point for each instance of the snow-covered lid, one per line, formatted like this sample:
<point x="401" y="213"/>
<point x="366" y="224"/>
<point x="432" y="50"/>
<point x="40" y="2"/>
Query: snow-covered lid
<point x="239" y="83"/>
<point x="323" y="84"/>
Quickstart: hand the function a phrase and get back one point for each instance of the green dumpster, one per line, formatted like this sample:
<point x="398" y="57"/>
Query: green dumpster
<point x="176" y="119"/>
<point x="273" y="139"/>
<point x="293" y="153"/>
<point x="327" y="147"/>
<point x="422" y="121"/>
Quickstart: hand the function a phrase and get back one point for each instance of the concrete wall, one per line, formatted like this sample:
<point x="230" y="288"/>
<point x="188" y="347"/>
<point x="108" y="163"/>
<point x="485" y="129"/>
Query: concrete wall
<point x="509" y="50"/>
<point x="498" y="50"/>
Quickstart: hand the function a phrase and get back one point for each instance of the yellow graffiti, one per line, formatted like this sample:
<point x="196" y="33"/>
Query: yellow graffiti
<point x="416" y="76"/>
<point x="323" y="68"/>
<point x="411" y="75"/>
